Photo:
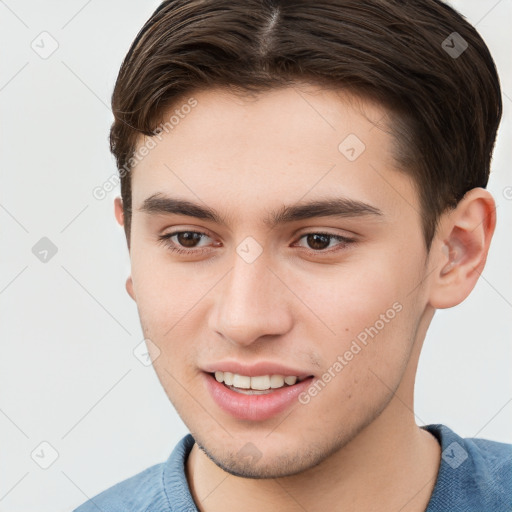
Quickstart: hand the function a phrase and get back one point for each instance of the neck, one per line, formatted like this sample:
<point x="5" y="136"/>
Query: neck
<point x="392" y="465"/>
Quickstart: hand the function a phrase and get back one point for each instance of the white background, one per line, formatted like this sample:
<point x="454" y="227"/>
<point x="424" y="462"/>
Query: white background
<point x="68" y="375"/>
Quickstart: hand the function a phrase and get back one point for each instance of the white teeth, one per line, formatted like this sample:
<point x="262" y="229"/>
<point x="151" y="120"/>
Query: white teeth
<point x="241" y="381"/>
<point x="261" y="382"/>
<point x="276" y="381"/>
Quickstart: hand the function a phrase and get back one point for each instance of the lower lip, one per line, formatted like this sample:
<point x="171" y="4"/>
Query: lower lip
<point x="254" y="407"/>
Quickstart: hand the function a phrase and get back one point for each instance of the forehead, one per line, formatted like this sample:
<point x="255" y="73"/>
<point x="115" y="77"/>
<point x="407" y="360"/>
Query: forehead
<point x="239" y="153"/>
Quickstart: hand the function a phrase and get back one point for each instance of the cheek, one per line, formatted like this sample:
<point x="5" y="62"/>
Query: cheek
<point x="350" y="298"/>
<point x="164" y="291"/>
<point x="171" y="301"/>
<point x="370" y="313"/>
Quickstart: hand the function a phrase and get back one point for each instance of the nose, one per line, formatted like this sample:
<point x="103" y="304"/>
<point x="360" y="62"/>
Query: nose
<point x="252" y="302"/>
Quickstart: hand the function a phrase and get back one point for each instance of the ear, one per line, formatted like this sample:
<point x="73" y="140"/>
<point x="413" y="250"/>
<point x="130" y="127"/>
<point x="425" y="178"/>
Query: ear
<point x="118" y="210"/>
<point x="129" y="288"/>
<point x="119" y="213"/>
<point x="459" y="250"/>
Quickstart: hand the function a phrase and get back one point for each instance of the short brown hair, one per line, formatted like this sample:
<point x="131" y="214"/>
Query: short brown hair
<point x="446" y="105"/>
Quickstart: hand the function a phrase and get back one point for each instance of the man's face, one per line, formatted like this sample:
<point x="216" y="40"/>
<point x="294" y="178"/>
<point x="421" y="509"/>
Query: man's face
<point x="345" y="311"/>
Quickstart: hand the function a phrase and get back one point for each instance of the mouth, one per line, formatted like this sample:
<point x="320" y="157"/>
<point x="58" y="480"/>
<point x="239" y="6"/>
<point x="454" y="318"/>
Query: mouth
<point x="257" y="385"/>
<point x="237" y="397"/>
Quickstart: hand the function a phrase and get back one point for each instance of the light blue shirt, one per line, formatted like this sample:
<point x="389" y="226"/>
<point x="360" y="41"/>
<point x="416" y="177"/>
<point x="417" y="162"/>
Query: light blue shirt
<point x="475" y="475"/>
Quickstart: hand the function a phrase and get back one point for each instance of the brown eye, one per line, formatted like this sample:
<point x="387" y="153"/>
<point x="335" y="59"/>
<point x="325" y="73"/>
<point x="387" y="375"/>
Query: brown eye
<point x="186" y="242"/>
<point x="188" y="238"/>
<point x="319" y="242"/>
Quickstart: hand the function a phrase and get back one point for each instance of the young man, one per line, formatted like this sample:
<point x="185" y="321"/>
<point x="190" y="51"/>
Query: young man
<point x="303" y="185"/>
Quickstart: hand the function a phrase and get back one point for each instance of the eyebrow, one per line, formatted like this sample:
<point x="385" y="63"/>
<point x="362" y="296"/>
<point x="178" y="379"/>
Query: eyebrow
<point x="340" y="207"/>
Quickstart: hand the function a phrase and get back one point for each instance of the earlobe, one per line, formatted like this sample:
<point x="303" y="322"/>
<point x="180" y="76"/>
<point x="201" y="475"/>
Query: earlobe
<point x="463" y="241"/>
<point x="129" y="288"/>
<point x="118" y="210"/>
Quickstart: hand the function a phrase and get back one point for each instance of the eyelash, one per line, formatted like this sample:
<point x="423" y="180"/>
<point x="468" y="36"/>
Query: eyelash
<point x="166" y="241"/>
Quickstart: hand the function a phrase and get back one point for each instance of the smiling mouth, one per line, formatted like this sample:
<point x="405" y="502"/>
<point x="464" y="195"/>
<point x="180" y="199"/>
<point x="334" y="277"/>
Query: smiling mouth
<point x="246" y="385"/>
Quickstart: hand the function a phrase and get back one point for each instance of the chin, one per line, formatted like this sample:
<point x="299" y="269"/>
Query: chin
<point x="249" y="462"/>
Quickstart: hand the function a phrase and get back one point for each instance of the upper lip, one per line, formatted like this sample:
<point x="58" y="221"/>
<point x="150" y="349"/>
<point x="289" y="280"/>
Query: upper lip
<point x="255" y="369"/>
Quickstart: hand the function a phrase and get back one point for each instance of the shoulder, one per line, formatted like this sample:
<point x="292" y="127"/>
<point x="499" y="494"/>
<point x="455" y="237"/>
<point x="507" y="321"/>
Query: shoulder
<point x="136" y="494"/>
<point x="149" y="490"/>
<point x="475" y="474"/>
<point x="491" y="464"/>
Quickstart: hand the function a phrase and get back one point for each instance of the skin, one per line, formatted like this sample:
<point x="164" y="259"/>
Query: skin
<point x="355" y="444"/>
